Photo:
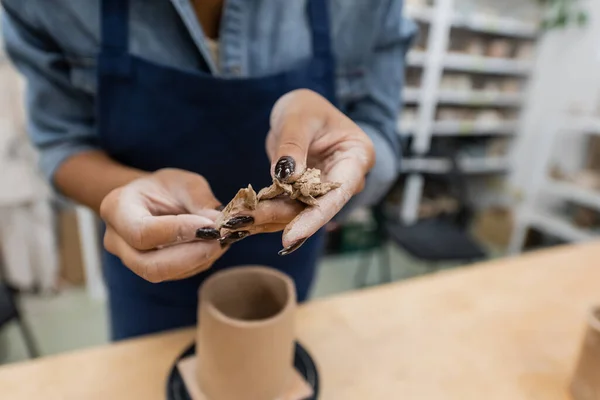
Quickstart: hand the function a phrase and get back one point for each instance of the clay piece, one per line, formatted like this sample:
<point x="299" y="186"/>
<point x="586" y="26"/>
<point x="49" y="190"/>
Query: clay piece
<point x="306" y="189"/>
<point x="245" y="340"/>
<point x="244" y="200"/>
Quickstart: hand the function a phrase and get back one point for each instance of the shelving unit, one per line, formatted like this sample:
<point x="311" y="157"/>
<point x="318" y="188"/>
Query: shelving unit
<point x="470" y="165"/>
<point x="488" y="65"/>
<point x="434" y="59"/>
<point x="545" y="188"/>
<point x="470" y="128"/>
<point x="478" y="22"/>
<point x="475" y="64"/>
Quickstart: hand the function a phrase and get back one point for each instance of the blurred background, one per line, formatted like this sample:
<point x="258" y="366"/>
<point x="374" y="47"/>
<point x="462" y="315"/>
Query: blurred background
<point x="500" y="155"/>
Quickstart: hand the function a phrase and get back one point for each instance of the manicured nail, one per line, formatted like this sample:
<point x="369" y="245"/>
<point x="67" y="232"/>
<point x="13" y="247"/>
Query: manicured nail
<point x="284" y="168"/>
<point x="291" y="248"/>
<point x="238" y="222"/>
<point x="207" y="234"/>
<point x="220" y="208"/>
<point x="233" y="237"/>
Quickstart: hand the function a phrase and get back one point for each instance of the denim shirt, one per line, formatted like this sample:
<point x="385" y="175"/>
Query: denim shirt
<point x="55" y="44"/>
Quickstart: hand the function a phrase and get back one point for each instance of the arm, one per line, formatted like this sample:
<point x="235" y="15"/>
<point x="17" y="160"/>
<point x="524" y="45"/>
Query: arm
<point x="61" y="120"/>
<point x="161" y="225"/>
<point x="377" y="112"/>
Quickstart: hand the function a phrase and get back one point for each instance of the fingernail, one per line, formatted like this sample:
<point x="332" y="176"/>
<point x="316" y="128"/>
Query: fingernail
<point x="233" y="237"/>
<point x="239" y="221"/>
<point x="207" y="234"/>
<point x="284" y="168"/>
<point x="292" y="248"/>
<point x="220" y="208"/>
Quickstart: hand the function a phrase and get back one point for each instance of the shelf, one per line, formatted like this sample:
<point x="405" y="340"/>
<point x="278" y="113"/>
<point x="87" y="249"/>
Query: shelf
<point x="476" y="64"/>
<point x="577" y="194"/>
<point x="479" y="22"/>
<point x="479" y="98"/>
<point x="421" y="14"/>
<point x="492" y="24"/>
<point x="466" y="128"/>
<point x="468" y="63"/>
<point x="559" y="227"/>
<point x="433" y="165"/>
<point x="416" y="58"/>
<point x="411" y="95"/>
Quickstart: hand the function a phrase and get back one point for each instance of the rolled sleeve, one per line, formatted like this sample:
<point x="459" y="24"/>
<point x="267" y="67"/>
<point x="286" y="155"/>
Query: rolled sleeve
<point x="60" y="117"/>
<point x="378" y="110"/>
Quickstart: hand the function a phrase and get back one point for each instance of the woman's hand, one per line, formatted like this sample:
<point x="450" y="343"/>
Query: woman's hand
<point x="308" y="131"/>
<point x="162" y="226"/>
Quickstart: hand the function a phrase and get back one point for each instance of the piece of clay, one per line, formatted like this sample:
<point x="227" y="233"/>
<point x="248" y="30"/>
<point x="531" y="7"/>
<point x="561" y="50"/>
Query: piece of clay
<point x="244" y="200"/>
<point x="306" y="189"/>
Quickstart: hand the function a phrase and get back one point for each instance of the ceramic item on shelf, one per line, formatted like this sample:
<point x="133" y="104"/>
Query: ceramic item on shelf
<point x="475" y="47"/>
<point x="488" y="116"/>
<point x="492" y="86"/>
<point x="497" y="147"/>
<point x="458" y="82"/>
<point x="525" y="51"/>
<point x="245" y="337"/>
<point x="586" y="380"/>
<point x="499" y="48"/>
<point x="511" y="85"/>
<point x="452" y="114"/>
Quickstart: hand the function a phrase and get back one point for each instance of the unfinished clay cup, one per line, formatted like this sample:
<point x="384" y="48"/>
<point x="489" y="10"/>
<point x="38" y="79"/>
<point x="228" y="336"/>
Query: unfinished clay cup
<point x="245" y="338"/>
<point x="586" y="380"/>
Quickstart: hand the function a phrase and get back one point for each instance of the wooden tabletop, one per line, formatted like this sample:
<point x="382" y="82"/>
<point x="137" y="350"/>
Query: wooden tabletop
<point x="508" y="329"/>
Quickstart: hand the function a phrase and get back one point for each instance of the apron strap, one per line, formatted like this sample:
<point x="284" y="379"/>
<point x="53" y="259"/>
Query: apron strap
<point x="318" y="12"/>
<point x="115" y="26"/>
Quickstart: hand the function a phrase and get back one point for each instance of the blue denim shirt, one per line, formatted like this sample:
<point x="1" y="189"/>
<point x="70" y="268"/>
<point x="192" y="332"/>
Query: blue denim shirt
<point x="55" y="43"/>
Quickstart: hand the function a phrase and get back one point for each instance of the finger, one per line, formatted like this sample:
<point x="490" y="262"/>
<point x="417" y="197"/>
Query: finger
<point x="292" y="135"/>
<point x="151" y="232"/>
<point x="313" y="218"/>
<point x="164" y="264"/>
<point x="267" y="228"/>
<point x="196" y="195"/>
<point x="133" y="221"/>
<point x="276" y="211"/>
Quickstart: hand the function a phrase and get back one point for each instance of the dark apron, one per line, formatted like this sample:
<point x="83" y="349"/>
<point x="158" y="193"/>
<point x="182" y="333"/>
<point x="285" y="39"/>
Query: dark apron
<point x="153" y="116"/>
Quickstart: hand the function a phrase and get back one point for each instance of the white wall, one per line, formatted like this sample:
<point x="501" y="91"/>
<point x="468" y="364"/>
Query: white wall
<point x="566" y="78"/>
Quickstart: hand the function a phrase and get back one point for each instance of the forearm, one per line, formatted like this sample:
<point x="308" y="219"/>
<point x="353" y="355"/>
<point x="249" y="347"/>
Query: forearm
<point x="89" y="176"/>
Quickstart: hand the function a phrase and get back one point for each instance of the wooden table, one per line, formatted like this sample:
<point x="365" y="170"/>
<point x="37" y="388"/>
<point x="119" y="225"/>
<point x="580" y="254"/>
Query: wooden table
<point x="505" y="330"/>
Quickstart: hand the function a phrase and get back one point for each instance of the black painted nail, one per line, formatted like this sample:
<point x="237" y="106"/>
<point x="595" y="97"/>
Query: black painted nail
<point x="239" y="221"/>
<point x="220" y="208"/>
<point x="291" y="248"/>
<point x="233" y="237"/>
<point x="207" y="234"/>
<point x="284" y="168"/>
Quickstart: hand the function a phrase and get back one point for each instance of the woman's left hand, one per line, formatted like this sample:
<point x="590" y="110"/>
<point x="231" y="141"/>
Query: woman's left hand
<point x="307" y="131"/>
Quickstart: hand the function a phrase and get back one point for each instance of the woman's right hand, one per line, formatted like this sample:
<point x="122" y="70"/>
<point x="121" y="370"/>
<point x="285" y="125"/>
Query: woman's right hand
<point x="162" y="225"/>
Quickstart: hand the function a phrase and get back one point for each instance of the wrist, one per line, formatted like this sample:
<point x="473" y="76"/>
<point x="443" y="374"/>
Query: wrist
<point x="88" y="177"/>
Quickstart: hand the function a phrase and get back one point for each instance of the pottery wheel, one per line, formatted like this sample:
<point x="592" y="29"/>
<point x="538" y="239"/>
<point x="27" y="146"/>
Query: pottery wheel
<point x="303" y="363"/>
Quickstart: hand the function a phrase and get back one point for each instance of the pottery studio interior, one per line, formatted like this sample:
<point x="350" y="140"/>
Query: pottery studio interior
<point x="427" y="176"/>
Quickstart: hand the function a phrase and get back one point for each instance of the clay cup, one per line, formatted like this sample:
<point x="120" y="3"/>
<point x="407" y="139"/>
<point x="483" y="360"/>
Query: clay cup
<point x="245" y="338"/>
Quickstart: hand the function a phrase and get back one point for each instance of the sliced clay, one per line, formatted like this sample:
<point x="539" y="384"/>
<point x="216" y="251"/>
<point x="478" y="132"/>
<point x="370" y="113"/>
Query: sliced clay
<point x="244" y="200"/>
<point x="306" y="190"/>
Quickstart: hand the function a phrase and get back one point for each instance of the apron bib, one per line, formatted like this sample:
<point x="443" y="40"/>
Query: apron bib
<point x="154" y="116"/>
